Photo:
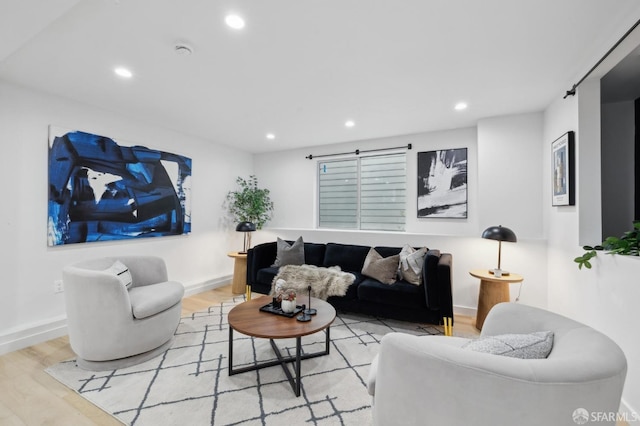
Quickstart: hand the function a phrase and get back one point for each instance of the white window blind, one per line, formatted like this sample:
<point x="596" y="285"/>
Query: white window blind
<point x="338" y="194"/>
<point x="383" y="192"/>
<point x="363" y="193"/>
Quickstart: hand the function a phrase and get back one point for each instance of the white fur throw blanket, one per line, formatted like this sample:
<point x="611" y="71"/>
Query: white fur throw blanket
<point x="324" y="282"/>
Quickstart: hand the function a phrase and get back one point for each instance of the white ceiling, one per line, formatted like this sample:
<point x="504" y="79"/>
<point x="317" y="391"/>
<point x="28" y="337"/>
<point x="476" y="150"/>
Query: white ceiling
<point x="301" y="68"/>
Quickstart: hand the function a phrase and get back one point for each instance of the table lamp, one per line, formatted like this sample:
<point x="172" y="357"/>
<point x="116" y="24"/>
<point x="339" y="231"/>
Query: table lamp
<point x="247" y="228"/>
<point x="500" y="234"/>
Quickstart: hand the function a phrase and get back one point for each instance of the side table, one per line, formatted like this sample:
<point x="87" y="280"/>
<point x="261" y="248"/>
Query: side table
<point x="239" y="283"/>
<point x="493" y="290"/>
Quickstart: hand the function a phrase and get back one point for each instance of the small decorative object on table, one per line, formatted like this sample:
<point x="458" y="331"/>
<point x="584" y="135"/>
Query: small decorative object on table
<point x="276" y="308"/>
<point x="283" y="302"/>
<point x="280" y="285"/>
<point x="309" y="310"/>
<point x="275" y="303"/>
<point x="306" y="313"/>
<point x="288" y="301"/>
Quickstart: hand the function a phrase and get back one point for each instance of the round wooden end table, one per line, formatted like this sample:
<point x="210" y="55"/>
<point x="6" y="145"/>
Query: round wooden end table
<point x="247" y="319"/>
<point x="493" y="290"/>
<point x="239" y="282"/>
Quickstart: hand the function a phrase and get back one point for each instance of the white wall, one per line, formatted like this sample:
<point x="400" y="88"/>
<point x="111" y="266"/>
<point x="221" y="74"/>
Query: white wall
<point x="509" y="157"/>
<point x="513" y="146"/>
<point x="29" y="310"/>
<point x="296" y="201"/>
<point x="605" y="297"/>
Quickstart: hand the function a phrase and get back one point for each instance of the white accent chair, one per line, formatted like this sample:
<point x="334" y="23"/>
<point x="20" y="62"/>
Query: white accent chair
<point x="434" y="381"/>
<point x="111" y="326"/>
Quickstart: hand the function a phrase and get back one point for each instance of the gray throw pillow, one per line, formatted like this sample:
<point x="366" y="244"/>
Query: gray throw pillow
<point x="289" y="254"/>
<point x="121" y="272"/>
<point x="383" y="269"/>
<point x="525" y="346"/>
<point x="410" y="266"/>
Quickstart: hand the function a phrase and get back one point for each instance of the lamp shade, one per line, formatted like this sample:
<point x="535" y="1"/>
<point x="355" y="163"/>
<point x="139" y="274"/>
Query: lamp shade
<point x="246" y="227"/>
<point x="499" y="233"/>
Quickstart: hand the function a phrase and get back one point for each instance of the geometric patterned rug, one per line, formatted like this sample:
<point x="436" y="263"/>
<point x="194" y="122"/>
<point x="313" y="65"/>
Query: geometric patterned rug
<point x="189" y="383"/>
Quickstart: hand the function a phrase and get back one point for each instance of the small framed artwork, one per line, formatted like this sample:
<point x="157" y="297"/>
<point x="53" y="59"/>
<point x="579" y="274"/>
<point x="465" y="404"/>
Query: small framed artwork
<point x="562" y="164"/>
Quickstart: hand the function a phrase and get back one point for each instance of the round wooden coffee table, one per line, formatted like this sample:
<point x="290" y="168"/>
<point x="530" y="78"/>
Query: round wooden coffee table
<point x="247" y="319"/>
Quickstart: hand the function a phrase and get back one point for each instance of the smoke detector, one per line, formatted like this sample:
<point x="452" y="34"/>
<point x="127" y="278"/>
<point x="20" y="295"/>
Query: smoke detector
<point x="183" y="50"/>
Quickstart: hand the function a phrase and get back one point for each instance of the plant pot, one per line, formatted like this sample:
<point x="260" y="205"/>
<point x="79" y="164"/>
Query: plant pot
<point x="288" y="306"/>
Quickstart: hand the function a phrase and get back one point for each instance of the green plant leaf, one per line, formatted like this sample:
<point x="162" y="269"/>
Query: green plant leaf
<point x="627" y="245"/>
<point x="249" y="203"/>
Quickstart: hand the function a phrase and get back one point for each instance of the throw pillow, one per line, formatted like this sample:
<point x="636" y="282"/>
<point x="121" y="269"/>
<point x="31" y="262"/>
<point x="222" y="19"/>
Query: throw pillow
<point x="383" y="269"/>
<point x="525" y="346"/>
<point x="289" y="254"/>
<point x="410" y="266"/>
<point x="121" y="272"/>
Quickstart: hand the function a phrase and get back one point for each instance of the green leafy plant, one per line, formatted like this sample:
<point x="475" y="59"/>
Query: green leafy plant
<point x="627" y="245"/>
<point x="249" y="203"/>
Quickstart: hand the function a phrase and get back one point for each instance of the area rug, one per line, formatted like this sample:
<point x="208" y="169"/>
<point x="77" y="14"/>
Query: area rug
<point x="189" y="384"/>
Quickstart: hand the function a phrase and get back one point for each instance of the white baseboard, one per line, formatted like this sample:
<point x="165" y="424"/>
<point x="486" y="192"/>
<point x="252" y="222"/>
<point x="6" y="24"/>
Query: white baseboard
<point x="190" y="290"/>
<point x="464" y="310"/>
<point x="33" y="334"/>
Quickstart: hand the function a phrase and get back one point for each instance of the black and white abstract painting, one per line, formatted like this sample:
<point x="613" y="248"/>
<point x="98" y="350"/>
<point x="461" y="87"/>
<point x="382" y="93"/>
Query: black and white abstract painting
<point x="442" y="183"/>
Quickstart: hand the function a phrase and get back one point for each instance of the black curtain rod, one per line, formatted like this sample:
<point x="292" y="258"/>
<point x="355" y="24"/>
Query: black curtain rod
<point x="572" y="91"/>
<point x="356" y="152"/>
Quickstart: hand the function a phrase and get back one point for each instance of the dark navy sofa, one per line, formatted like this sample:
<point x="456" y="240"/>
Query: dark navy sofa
<point x="429" y="302"/>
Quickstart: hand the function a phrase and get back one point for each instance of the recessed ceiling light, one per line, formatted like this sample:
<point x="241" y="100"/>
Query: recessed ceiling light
<point x="123" y="72"/>
<point x="349" y="123"/>
<point x="271" y="136"/>
<point x="183" y="49"/>
<point x="460" y="106"/>
<point x="234" y="21"/>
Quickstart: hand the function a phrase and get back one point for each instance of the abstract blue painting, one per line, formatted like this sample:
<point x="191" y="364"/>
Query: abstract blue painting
<point x="102" y="191"/>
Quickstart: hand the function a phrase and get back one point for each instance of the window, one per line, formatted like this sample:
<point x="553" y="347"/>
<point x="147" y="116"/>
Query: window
<point x="363" y="193"/>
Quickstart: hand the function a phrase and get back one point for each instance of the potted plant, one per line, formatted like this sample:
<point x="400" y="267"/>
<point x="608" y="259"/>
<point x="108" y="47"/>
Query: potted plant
<point x="249" y="203"/>
<point x="628" y="245"/>
<point x="288" y="301"/>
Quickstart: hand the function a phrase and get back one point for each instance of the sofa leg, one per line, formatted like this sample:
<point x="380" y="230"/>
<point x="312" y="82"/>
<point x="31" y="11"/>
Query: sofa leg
<point x="248" y="292"/>
<point x="448" y="326"/>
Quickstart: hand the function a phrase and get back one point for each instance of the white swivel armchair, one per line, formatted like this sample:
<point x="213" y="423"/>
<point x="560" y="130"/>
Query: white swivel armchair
<point x="434" y="381"/>
<point x="112" y="325"/>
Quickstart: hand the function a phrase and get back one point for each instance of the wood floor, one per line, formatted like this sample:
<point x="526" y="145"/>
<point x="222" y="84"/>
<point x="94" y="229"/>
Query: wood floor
<point x="29" y="396"/>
